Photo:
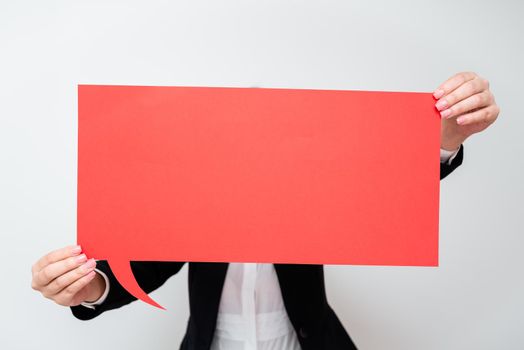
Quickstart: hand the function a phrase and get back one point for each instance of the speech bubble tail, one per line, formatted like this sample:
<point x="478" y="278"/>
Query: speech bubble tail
<point x="123" y="273"/>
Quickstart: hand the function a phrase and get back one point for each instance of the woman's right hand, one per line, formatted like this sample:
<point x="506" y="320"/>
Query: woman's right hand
<point x="67" y="277"/>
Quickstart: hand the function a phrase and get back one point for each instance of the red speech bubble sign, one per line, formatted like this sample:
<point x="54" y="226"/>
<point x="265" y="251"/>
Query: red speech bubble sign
<point x="256" y="175"/>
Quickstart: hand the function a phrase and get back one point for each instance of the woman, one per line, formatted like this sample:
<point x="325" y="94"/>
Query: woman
<point x="254" y="306"/>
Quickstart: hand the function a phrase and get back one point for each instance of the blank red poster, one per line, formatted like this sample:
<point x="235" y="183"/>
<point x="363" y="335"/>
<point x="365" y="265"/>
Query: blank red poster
<point x="256" y="175"/>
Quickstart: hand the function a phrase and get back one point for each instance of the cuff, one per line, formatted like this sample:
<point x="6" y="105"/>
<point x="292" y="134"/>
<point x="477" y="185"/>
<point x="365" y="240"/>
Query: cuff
<point x="448" y="156"/>
<point x="103" y="297"/>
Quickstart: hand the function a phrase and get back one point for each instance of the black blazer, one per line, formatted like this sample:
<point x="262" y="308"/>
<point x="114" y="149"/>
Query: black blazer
<point x="302" y="287"/>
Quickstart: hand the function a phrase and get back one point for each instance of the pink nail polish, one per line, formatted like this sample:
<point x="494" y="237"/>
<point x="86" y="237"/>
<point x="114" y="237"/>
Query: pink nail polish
<point x="438" y="93"/>
<point x="445" y="113"/>
<point x="90" y="264"/>
<point x="441" y="104"/>
<point x="81" y="258"/>
<point x="76" y="250"/>
<point x="459" y="120"/>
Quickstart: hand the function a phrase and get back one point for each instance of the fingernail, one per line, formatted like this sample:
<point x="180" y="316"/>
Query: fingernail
<point x="445" y="113"/>
<point x="438" y="93"/>
<point x="81" y="258"/>
<point x="459" y="120"/>
<point x="441" y="104"/>
<point x="89" y="265"/>
<point x="76" y="250"/>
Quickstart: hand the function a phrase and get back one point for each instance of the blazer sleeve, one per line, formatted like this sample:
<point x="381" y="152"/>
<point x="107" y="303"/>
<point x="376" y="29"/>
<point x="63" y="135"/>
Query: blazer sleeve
<point x="149" y="274"/>
<point x="446" y="169"/>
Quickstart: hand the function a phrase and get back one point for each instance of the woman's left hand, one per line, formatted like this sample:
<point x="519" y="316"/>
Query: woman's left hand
<point x="466" y="106"/>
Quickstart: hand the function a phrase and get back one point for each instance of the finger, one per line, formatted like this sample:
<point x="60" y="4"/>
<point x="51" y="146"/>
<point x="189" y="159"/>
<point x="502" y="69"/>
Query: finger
<point x="485" y="115"/>
<point x="469" y="104"/>
<point x="65" y="280"/>
<point x="55" y="256"/>
<point x="469" y="88"/>
<point x="66" y="296"/>
<point x="453" y="83"/>
<point x="49" y="273"/>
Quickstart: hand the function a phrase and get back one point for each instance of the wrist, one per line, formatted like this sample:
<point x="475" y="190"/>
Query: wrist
<point x="451" y="143"/>
<point x="96" y="289"/>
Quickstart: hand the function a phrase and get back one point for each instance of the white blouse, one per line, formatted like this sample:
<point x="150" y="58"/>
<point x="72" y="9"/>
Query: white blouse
<point x="251" y="314"/>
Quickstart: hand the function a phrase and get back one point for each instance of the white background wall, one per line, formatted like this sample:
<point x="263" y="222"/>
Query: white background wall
<point x="474" y="300"/>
